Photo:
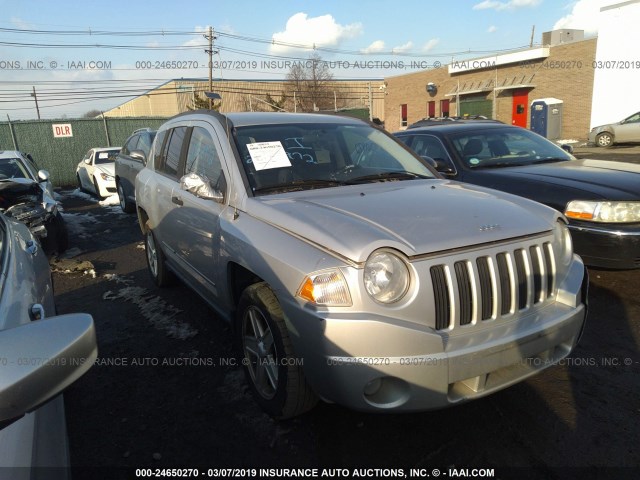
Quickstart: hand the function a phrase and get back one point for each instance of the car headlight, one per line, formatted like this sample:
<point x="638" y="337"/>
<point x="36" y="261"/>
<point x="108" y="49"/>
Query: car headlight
<point x="563" y="239"/>
<point x="386" y="277"/>
<point x="327" y="288"/>
<point x="105" y="177"/>
<point x="606" y="212"/>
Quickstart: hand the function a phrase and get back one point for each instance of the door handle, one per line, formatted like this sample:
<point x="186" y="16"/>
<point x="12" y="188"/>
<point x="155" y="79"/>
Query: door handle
<point x="177" y="200"/>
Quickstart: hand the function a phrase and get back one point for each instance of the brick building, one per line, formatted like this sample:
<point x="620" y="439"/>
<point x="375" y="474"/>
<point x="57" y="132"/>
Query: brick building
<point x="502" y="86"/>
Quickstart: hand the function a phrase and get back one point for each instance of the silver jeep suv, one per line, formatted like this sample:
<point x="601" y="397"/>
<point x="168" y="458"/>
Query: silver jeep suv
<point x="349" y="269"/>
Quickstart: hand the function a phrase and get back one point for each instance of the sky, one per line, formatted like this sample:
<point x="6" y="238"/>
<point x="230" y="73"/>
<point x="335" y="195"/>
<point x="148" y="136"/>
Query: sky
<point x="81" y="56"/>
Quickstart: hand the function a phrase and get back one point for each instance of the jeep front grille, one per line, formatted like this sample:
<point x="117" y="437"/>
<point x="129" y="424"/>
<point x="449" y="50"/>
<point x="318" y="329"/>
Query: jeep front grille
<point x="489" y="287"/>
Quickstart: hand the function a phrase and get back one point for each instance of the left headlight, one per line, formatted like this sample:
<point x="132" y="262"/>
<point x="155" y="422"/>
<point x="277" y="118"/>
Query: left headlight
<point x="105" y="177"/>
<point x="386" y="277"/>
<point x="605" y="212"/>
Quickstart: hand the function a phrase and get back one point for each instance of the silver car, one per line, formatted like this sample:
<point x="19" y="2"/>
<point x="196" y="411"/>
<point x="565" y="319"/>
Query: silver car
<point x="350" y="270"/>
<point x="40" y="355"/>
<point x="627" y="130"/>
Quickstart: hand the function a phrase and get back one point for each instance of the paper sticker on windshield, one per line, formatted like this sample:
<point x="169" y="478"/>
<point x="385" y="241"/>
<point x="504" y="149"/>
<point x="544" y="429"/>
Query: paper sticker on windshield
<point x="267" y="155"/>
<point x="103" y="155"/>
<point x="474" y="161"/>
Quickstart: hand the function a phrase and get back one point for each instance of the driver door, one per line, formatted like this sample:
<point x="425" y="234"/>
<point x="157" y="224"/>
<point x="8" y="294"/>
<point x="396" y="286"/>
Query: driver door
<point x="197" y="236"/>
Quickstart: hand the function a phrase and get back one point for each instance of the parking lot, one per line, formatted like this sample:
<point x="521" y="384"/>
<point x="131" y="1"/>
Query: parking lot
<point x="166" y="393"/>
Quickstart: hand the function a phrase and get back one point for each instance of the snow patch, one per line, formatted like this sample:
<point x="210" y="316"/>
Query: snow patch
<point x="160" y="314"/>
<point x="112" y="200"/>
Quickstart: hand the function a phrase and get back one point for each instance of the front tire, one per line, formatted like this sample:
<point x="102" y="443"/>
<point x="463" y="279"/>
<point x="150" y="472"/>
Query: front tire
<point x="125" y="204"/>
<point x="156" y="261"/>
<point x="272" y="370"/>
<point x="605" y="140"/>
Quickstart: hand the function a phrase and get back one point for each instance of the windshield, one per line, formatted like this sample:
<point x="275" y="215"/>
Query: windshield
<point x="107" y="156"/>
<point x="285" y="157"/>
<point x="12" y="168"/>
<point x="506" y="148"/>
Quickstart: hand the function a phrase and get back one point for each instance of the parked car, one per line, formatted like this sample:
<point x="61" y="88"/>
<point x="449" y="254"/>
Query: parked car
<point x="26" y="194"/>
<point x="95" y="171"/>
<point x="601" y="199"/>
<point x="624" y="131"/>
<point x="40" y="355"/>
<point x="131" y="159"/>
<point x="444" y="120"/>
<point x="351" y="270"/>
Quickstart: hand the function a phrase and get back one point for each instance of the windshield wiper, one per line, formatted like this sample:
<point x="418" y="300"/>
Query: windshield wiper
<point x="387" y="177"/>
<point x="299" y="185"/>
<point x="549" y="160"/>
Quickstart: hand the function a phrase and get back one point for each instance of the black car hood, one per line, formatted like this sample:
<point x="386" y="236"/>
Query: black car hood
<point x="593" y="179"/>
<point x="19" y="190"/>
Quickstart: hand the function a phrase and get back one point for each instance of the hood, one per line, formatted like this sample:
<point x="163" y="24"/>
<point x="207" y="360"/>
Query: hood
<point x="415" y="217"/>
<point x="19" y="190"/>
<point x="108" y="168"/>
<point x="593" y="179"/>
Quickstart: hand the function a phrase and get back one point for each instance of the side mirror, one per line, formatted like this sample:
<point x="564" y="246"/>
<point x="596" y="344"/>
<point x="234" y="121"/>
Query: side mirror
<point x="43" y="175"/>
<point x="138" y="155"/>
<point x="60" y="350"/>
<point x="28" y="155"/>
<point x="440" y="165"/>
<point x="567" y="148"/>
<point x="87" y="161"/>
<point x="200" y="187"/>
<point x="430" y="161"/>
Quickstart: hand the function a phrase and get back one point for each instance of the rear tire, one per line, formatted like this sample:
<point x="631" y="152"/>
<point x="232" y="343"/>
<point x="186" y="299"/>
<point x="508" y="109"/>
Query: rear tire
<point x="156" y="261"/>
<point x="272" y="370"/>
<point x="125" y="204"/>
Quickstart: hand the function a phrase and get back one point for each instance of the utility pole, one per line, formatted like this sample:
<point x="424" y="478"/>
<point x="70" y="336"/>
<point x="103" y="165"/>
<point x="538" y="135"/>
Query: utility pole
<point x="370" y="104"/>
<point x="35" y="97"/>
<point x="533" y="31"/>
<point x="210" y="51"/>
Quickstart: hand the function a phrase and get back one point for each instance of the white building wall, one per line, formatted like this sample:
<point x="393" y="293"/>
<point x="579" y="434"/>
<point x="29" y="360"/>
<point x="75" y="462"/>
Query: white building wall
<point x="616" y="85"/>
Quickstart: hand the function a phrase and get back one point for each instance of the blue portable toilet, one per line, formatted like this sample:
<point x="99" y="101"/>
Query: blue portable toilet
<point x="546" y="117"/>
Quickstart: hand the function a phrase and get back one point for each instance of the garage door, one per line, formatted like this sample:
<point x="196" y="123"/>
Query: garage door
<point x="476" y="106"/>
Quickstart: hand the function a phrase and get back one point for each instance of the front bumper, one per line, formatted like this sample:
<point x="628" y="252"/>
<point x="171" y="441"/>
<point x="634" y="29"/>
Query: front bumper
<point x="380" y="364"/>
<point x="607" y="246"/>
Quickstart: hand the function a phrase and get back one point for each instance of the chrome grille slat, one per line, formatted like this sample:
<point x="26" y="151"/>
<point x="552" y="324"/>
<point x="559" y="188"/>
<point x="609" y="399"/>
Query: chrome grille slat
<point x="489" y="287"/>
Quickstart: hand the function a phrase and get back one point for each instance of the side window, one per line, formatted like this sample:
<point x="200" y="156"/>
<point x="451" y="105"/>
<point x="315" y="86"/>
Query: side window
<point x="158" y="149"/>
<point x="144" y="143"/>
<point x="171" y="162"/>
<point x="203" y="158"/>
<point x="130" y="145"/>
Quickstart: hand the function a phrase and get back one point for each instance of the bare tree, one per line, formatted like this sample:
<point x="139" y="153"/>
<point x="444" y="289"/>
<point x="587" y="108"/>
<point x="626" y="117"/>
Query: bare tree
<point x="92" y="114"/>
<point x="310" y="81"/>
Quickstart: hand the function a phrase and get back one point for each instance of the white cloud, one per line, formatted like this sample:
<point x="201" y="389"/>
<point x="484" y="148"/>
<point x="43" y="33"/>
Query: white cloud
<point x="19" y="23"/>
<point x="492" y="29"/>
<point x="197" y="40"/>
<point x="584" y="16"/>
<point x="375" y="47"/>
<point x="510" y="5"/>
<point x="430" y="44"/>
<point x="403" y="48"/>
<point x="319" y="31"/>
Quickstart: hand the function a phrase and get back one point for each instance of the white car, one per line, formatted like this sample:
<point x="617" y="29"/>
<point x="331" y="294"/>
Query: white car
<point x="96" y="171"/>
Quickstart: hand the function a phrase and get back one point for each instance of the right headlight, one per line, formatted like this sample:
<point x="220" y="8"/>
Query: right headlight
<point x="605" y="211"/>
<point x="386" y="277"/>
<point x="563" y="239"/>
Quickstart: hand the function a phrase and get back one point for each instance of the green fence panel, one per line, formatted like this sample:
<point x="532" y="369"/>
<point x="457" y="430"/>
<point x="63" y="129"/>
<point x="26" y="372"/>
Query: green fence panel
<point x="60" y="156"/>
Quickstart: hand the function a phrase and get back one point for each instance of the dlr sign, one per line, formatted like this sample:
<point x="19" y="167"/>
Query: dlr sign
<point x="61" y="130"/>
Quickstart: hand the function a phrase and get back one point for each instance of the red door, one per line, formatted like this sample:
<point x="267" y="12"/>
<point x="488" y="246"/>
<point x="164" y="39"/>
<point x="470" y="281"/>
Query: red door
<point x="520" y="110"/>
